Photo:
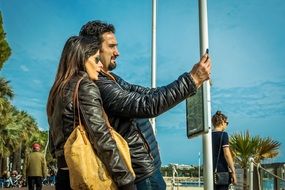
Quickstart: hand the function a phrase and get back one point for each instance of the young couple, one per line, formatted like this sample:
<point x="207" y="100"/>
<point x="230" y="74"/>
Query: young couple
<point x="92" y="55"/>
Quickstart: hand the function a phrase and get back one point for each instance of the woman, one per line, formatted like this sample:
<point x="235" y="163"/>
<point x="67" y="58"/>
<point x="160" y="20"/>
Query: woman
<point x="80" y="58"/>
<point x="222" y="158"/>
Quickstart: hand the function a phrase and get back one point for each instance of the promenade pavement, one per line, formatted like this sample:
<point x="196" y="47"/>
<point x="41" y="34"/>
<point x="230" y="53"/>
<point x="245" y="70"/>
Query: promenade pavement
<point x="168" y="188"/>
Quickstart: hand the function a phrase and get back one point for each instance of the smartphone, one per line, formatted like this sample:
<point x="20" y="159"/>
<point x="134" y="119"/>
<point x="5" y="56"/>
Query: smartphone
<point x="207" y="51"/>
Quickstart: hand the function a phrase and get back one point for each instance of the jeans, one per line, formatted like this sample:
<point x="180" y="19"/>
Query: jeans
<point x="153" y="182"/>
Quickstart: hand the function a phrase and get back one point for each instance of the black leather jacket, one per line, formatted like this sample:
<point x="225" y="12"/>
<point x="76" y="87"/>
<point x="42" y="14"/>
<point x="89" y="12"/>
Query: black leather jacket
<point x="129" y="107"/>
<point x="62" y="124"/>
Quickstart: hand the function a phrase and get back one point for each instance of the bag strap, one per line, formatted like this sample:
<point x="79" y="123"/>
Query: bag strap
<point x="216" y="168"/>
<point x="76" y="110"/>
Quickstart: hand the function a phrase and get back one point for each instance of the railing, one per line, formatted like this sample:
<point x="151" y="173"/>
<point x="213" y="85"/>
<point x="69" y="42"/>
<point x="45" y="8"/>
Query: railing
<point x="258" y="168"/>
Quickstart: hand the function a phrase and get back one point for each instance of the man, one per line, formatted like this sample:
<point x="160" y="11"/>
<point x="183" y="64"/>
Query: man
<point x="36" y="168"/>
<point x="129" y="106"/>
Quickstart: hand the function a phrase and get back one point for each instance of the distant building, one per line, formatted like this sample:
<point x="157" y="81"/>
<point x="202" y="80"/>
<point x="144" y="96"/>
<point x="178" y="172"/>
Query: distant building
<point x="179" y="170"/>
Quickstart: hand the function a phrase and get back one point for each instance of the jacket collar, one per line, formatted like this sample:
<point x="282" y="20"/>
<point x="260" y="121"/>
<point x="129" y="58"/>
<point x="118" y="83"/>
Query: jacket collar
<point x="108" y="75"/>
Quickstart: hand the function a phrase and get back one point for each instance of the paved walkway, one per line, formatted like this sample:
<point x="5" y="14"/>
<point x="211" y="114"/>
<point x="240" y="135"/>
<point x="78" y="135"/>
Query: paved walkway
<point x="25" y="188"/>
<point x="52" y="188"/>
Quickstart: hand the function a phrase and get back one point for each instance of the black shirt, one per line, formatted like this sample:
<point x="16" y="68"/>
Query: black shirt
<point x="222" y="165"/>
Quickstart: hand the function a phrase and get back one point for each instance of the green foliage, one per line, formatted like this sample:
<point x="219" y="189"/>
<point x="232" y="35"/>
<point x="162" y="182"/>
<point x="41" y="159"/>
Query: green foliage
<point x="6" y="93"/>
<point x="5" y="50"/>
<point x="18" y="129"/>
<point x="244" y="146"/>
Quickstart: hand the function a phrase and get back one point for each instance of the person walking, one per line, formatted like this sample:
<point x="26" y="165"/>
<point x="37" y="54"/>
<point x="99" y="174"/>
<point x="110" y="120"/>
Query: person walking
<point x="36" y="168"/>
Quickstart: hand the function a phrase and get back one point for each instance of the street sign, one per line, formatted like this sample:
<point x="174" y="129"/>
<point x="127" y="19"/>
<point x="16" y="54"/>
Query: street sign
<point x="195" y="115"/>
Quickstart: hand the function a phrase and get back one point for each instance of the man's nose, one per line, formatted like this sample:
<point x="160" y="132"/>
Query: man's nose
<point x="116" y="53"/>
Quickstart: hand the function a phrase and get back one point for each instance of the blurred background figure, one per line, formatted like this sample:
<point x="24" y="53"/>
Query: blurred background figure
<point x="222" y="157"/>
<point x="36" y="168"/>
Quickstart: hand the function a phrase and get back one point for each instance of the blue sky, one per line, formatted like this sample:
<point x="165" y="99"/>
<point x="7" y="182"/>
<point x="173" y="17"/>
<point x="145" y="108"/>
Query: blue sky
<point x="247" y="46"/>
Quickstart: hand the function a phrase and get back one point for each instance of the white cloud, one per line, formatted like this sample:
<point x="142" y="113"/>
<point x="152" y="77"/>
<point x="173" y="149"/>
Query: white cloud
<point x="265" y="99"/>
<point x="24" y="68"/>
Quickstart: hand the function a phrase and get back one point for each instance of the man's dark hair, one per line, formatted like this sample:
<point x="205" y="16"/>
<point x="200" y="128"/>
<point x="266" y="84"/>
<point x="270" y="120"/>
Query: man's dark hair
<point x="96" y="28"/>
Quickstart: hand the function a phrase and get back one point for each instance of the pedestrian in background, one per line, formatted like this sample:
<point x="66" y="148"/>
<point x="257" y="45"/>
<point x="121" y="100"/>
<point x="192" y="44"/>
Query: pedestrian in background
<point x="222" y="157"/>
<point x="36" y="168"/>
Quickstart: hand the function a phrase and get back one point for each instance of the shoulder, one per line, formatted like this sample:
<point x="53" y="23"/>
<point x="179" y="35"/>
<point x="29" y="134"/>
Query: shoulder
<point x="105" y="83"/>
<point x="111" y="77"/>
<point x="226" y="135"/>
<point x="88" y="86"/>
<point x="117" y="77"/>
<point x="216" y="133"/>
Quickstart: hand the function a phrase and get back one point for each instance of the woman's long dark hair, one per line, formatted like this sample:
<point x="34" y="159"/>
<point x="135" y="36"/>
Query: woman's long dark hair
<point x="75" y="53"/>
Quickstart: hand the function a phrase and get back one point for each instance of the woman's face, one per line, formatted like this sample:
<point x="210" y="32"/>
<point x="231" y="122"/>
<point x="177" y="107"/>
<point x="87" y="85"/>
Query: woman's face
<point x="93" y="66"/>
<point x="225" y="124"/>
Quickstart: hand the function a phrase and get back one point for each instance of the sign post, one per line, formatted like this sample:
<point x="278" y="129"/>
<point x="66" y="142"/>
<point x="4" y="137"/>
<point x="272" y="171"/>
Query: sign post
<point x="199" y="106"/>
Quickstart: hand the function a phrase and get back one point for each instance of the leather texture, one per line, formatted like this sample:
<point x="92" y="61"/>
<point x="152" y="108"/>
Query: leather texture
<point x="129" y="108"/>
<point x="62" y="124"/>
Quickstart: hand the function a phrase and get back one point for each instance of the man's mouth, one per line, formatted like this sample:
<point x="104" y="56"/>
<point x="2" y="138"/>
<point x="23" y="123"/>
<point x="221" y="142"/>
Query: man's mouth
<point x="113" y="60"/>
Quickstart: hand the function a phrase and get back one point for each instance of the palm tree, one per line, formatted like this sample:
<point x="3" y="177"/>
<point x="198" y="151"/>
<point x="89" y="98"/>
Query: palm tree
<point x="18" y="131"/>
<point x="243" y="147"/>
<point x="6" y="94"/>
<point x="5" y="50"/>
<point x="21" y="122"/>
<point x="4" y="138"/>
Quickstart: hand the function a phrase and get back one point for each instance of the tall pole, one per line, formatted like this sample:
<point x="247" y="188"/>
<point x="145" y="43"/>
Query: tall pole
<point x="251" y="167"/>
<point x="199" y="172"/>
<point x="207" y="138"/>
<point x="153" y="56"/>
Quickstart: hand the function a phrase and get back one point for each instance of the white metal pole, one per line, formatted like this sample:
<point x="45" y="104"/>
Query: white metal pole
<point x="251" y="167"/>
<point x="153" y="56"/>
<point x="199" y="171"/>
<point x="207" y="138"/>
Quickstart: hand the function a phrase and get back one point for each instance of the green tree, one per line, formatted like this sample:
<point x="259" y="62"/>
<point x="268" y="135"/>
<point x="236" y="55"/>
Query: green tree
<point x="244" y="146"/>
<point x="6" y="94"/>
<point x="5" y="50"/>
<point x="26" y="126"/>
<point x="18" y="129"/>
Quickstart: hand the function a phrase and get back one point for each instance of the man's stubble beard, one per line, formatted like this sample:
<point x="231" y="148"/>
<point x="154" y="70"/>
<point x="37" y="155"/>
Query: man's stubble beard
<point x="112" y="66"/>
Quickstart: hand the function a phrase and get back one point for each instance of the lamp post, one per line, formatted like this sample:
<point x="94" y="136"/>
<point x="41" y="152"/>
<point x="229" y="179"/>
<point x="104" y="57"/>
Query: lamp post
<point x="207" y="138"/>
<point x="153" y="57"/>
<point x="199" y="171"/>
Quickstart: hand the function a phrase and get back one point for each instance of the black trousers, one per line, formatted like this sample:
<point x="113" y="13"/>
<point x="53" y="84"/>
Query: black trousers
<point x="221" y="187"/>
<point x="35" y="181"/>
<point x="62" y="180"/>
